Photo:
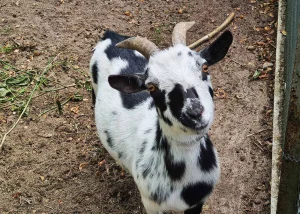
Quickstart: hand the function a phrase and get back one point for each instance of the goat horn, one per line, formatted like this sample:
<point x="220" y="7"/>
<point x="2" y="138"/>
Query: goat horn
<point x="179" y="32"/>
<point x="140" y="44"/>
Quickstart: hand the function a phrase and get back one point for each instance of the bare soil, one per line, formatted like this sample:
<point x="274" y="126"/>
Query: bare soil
<point x="54" y="163"/>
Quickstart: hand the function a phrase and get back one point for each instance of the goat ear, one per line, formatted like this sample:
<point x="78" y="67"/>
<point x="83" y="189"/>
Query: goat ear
<point x="127" y="83"/>
<point x="218" y="49"/>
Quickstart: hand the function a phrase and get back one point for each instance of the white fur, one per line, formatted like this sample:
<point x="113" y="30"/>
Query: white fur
<point x="127" y="127"/>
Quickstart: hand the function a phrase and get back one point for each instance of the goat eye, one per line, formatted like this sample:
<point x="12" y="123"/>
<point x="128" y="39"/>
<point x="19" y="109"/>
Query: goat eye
<point x="151" y="87"/>
<point x="205" y="68"/>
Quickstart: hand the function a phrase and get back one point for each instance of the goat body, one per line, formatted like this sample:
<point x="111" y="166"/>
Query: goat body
<point x="160" y="135"/>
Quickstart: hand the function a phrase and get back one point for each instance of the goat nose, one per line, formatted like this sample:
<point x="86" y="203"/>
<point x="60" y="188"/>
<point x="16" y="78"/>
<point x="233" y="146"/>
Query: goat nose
<point x="195" y="110"/>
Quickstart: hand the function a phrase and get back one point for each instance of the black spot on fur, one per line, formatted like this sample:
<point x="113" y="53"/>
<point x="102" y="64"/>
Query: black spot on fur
<point x="176" y="97"/>
<point x="167" y="120"/>
<point x="190" y="53"/>
<point x="147" y="168"/>
<point x="120" y="155"/>
<point x="194" y="193"/>
<point x="135" y="65"/>
<point x="211" y="91"/>
<point x="160" y="194"/>
<point x="93" y="97"/>
<point x="152" y="104"/>
<point x="95" y="73"/>
<point x="204" y="76"/>
<point x="183" y="129"/>
<point x="142" y="149"/>
<point x="159" y="99"/>
<point x="129" y="101"/>
<point x="191" y="93"/>
<point x="109" y="139"/>
<point x="158" y="135"/>
<point x="195" y="210"/>
<point x="146" y="171"/>
<point x="207" y="158"/>
<point x="175" y="169"/>
<point x="147" y="131"/>
<point x="138" y="162"/>
<point x="179" y="54"/>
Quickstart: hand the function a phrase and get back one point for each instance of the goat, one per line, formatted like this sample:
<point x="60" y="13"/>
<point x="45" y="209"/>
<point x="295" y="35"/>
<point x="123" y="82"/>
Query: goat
<point x="153" y="110"/>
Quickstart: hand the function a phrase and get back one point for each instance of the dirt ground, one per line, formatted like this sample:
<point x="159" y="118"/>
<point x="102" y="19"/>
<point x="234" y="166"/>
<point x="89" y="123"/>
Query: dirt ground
<point x="54" y="163"/>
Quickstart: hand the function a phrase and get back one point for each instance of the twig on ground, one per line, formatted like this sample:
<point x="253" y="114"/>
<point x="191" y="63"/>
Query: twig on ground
<point x="54" y="89"/>
<point x="41" y="94"/>
<point x="262" y="130"/>
<point x="258" y="146"/>
<point x="48" y="207"/>
<point x="54" y="107"/>
<point x="240" y="64"/>
<point x="28" y="101"/>
<point x="213" y="33"/>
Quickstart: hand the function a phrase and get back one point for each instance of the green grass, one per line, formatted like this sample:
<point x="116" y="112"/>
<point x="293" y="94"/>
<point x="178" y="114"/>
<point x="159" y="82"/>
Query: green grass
<point x="7" y="48"/>
<point x="16" y="85"/>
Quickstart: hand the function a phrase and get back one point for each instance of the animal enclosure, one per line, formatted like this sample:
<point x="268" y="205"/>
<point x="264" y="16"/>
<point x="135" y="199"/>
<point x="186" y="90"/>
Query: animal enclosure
<point x="53" y="161"/>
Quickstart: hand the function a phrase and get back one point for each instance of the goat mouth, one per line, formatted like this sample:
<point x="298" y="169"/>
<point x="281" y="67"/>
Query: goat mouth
<point x="201" y="126"/>
<point x="194" y="123"/>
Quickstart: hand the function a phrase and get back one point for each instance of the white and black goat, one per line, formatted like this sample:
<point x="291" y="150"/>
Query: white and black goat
<point x="153" y="109"/>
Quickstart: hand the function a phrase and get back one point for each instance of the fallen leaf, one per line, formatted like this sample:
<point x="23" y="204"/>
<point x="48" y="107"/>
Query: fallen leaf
<point x="4" y="92"/>
<point x="205" y="207"/>
<point x="75" y="109"/>
<point x="180" y="10"/>
<point x="267" y="28"/>
<point x="256" y="74"/>
<point x="102" y="162"/>
<point x="269" y="112"/>
<point x="250" y="48"/>
<point x="238" y="96"/>
<point x="16" y="195"/>
<point x="127" y="13"/>
<point x="82" y="165"/>
<point x="221" y="93"/>
<point x="284" y="32"/>
<point x="42" y="178"/>
<point x="263" y="76"/>
<point x="260" y="43"/>
<point x="256" y="29"/>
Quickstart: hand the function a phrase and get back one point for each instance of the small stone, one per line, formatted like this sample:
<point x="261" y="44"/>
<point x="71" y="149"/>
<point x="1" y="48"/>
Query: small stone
<point x="242" y="158"/>
<point x="69" y="139"/>
<point x="257" y="201"/>
<point x="267" y="65"/>
<point x="251" y="65"/>
<point x="250" y="48"/>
